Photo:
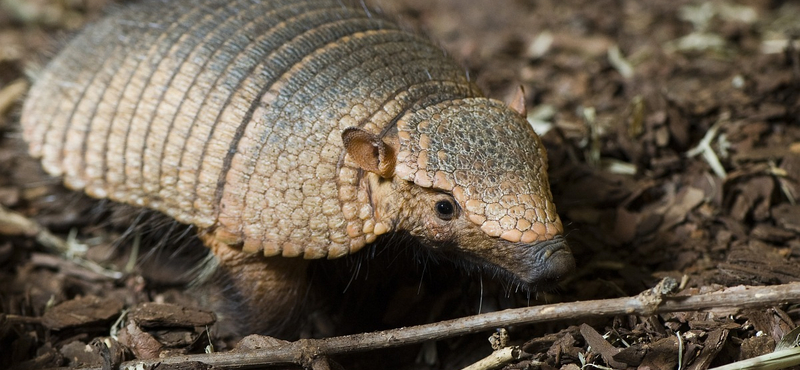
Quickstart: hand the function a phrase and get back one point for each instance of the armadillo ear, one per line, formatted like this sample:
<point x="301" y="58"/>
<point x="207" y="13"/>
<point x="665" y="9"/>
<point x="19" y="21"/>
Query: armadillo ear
<point x="369" y="151"/>
<point x="518" y="102"/>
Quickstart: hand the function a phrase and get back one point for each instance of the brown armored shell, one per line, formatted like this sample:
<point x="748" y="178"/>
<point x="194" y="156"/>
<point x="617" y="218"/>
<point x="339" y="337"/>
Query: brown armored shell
<point x="228" y="114"/>
<point x="489" y="158"/>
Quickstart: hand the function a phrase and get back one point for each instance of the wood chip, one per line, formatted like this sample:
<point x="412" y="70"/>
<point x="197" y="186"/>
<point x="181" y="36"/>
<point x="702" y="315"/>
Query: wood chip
<point x="157" y="315"/>
<point x="601" y="346"/>
<point x="80" y="354"/>
<point x="685" y="201"/>
<point x="142" y="344"/>
<point x="711" y="346"/>
<point x="85" y="311"/>
<point x="771" y="233"/>
<point x="663" y="355"/>
<point x="787" y="216"/>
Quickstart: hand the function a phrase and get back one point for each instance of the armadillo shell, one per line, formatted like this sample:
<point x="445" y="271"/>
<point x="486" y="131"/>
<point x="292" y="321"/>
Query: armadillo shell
<point x="228" y="114"/>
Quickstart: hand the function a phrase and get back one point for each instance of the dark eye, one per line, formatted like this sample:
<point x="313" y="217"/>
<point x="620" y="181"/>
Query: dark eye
<point x="445" y="209"/>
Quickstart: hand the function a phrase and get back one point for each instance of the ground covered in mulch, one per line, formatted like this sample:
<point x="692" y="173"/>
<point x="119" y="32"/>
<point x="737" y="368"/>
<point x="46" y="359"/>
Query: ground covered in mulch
<point x="674" y="146"/>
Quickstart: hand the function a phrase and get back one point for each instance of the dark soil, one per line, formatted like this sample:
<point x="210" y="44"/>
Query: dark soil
<point x="673" y="134"/>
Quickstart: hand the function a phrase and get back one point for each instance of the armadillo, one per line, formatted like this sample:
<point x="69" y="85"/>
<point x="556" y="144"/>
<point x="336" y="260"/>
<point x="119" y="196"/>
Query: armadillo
<point x="290" y="130"/>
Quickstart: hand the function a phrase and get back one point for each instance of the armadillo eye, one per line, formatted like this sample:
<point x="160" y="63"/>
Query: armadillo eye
<point x="445" y="209"/>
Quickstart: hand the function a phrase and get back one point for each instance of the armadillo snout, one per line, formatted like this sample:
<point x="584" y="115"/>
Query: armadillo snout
<point x="551" y="261"/>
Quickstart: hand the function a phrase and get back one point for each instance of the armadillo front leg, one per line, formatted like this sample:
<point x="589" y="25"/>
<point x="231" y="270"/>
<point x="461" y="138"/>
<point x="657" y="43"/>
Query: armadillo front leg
<point x="257" y="294"/>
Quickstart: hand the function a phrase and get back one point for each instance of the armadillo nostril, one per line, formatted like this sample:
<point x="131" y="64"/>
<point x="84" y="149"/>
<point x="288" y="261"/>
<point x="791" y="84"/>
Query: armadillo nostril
<point x="554" y="260"/>
<point x="559" y="264"/>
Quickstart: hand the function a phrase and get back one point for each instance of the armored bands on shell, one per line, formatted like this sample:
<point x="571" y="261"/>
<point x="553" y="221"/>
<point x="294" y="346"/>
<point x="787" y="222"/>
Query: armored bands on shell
<point x="230" y="115"/>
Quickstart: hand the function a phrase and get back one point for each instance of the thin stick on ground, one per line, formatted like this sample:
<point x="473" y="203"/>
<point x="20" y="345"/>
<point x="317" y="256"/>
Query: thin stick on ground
<point x="13" y="223"/>
<point x="646" y="303"/>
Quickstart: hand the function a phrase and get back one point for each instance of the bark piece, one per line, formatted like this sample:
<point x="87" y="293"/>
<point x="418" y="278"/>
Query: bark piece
<point x="84" y="311"/>
<point x="159" y="315"/>
<point x="663" y="355"/>
<point x="601" y="346"/>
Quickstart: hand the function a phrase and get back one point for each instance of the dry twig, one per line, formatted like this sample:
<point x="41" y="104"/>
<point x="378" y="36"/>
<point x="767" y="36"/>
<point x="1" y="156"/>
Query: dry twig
<point x="496" y="359"/>
<point x="13" y="223"/>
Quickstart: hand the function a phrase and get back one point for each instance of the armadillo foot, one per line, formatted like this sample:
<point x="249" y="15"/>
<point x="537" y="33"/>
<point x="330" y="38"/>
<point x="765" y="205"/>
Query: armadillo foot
<point x="253" y="294"/>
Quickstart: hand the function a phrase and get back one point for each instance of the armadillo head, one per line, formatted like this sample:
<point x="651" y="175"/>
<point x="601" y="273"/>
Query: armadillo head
<point x="469" y="176"/>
